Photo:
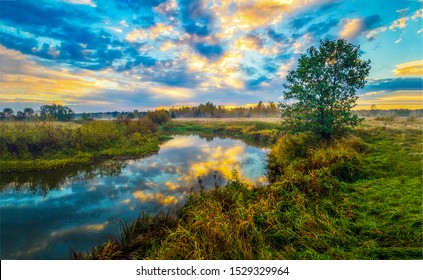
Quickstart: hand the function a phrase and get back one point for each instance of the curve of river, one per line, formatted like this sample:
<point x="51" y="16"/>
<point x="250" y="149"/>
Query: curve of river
<point x="44" y="214"/>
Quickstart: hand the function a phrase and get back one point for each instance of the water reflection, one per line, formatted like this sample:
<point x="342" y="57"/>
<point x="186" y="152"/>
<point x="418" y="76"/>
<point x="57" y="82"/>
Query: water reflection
<point x="43" y="214"/>
<point x="44" y="181"/>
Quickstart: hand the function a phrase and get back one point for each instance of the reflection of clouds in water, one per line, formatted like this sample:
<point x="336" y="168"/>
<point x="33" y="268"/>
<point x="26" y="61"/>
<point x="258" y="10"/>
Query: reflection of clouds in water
<point x="93" y="227"/>
<point x="160" y="198"/>
<point x="171" y="186"/>
<point x="83" y="213"/>
<point x="179" y="142"/>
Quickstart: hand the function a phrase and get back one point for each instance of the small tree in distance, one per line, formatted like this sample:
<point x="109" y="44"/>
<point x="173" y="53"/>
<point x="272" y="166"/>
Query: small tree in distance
<point x="323" y="87"/>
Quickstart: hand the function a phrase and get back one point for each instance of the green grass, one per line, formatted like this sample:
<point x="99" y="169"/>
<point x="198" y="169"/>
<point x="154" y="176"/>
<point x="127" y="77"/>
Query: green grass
<point x="28" y="146"/>
<point x="356" y="198"/>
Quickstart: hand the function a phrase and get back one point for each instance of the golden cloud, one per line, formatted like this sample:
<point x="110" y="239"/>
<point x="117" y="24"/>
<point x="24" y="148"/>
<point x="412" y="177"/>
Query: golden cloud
<point x="249" y="15"/>
<point x="261" y="13"/>
<point x="137" y="35"/>
<point x="151" y="33"/>
<point x="399" y="23"/>
<point x="171" y="92"/>
<point x="412" y="68"/>
<point x="157" y="197"/>
<point x="24" y="80"/>
<point x="84" y="228"/>
<point x="351" y="28"/>
<point x="400" y="99"/>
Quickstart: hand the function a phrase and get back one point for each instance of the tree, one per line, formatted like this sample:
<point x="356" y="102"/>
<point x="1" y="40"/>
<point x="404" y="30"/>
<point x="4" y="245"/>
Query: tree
<point x="324" y="87"/>
<point x="8" y="113"/>
<point x="29" y="113"/>
<point x="20" y="116"/>
<point x="56" y="112"/>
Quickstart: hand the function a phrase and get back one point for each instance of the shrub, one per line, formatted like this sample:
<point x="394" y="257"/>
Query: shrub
<point x="302" y="162"/>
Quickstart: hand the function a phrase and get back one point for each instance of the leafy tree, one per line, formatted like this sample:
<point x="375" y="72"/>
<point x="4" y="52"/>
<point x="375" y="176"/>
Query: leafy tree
<point x="324" y="87"/>
<point x="29" y="113"/>
<point x="8" y="113"/>
<point x="20" y="116"/>
<point x="158" y="116"/>
<point x="56" y="112"/>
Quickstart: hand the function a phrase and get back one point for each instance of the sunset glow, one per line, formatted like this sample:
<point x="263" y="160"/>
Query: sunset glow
<point x="103" y="55"/>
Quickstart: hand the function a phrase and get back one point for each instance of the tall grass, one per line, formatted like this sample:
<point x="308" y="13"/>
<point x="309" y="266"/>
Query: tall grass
<point x="44" y="145"/>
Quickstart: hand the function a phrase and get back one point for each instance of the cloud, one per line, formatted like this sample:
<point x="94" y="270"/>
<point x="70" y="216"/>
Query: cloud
<point x="195" y="18"/>
<point x="277" y="37"/>
<point x="137" y="5"/>
<point x="177" y="93"/>
<point x="81" y="2"/>
<point x="374" y="33"/>
<point x="400" y="23"/>
<point x="412" y="68"/>
<point x="39" y="18"/>
<point x="391" y="99"/>
<point x="393" y="84"/>
<point x="24" y="80"/>
<point x="157" y="197"/>
<point x="261" y="13"/>
<point x="322" y="28"/>
<point x="353" y="28"/>
<point x="417" y="14"/>
<point x="209" y="51"/>
<point x="299" y="22"/>
<point x="137" y="35"/>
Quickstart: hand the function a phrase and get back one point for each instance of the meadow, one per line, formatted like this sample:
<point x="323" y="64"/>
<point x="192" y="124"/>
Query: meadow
<point x="26" y="146"/>
<point x="358" y="197"/>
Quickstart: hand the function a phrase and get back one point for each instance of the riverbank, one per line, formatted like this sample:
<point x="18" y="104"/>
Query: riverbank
<point x="29" y="146"/>
<point x="257" y="132"/>
<point x="357" y="198"/>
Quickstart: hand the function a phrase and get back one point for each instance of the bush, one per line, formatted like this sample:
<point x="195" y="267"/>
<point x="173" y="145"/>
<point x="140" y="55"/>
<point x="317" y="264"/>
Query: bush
<point x="302" y="162"/>
<point x="159" y="116"/>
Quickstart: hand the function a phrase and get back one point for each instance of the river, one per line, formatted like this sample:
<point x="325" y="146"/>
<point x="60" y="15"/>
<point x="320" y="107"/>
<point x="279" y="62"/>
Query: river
<point x="45" y="214"/>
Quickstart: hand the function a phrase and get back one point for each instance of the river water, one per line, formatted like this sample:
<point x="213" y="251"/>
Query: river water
<point x="45" y="214"/>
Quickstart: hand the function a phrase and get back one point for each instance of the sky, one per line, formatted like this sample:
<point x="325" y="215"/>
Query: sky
<point x="106" y="55"/>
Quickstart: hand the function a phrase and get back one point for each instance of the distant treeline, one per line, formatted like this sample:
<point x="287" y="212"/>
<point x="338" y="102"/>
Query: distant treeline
<point x="46" y="112"/>
<point x="208" y="110"/>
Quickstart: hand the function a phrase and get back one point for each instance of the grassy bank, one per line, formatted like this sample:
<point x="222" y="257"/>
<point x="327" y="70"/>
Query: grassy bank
<point x="356" y="198"/>
<point x="26" y="146"/>
<point x="250" y="131"/>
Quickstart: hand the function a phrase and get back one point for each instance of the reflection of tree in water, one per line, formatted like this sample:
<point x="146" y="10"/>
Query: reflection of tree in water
<point x="209" y="137"/>
<point x="44" y="181"/>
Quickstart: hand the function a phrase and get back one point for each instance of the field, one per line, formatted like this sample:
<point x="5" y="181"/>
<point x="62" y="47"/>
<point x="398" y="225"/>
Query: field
<point x="359" y="197"/>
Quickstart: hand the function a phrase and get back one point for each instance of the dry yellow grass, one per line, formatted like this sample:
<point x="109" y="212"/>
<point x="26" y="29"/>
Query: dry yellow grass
<point x="37" y="123"/>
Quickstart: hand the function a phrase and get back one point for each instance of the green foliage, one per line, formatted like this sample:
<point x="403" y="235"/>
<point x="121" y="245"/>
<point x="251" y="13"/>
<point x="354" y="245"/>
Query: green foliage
<point x="56" y="112"/>
<point x="158" y="116"/>
<point x="302" y="162"/>
<point x="324" y="87"/>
